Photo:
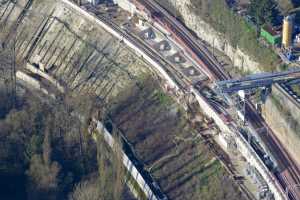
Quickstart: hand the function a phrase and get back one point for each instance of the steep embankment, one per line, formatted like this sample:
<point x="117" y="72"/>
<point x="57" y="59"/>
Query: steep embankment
<point x="87" y="59"/>
<point x="282" y="108"/>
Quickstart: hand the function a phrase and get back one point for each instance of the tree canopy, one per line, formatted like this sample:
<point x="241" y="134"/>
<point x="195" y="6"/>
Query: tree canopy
<point x="263" y="11"/>
<point x="49" y="144"/>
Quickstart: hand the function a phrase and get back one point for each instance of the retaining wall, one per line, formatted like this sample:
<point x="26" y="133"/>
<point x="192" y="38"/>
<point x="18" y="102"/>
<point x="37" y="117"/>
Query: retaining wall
<point x="128" y="163"/>
<point x="44" y="75"/>
<point x="26" y="79"/>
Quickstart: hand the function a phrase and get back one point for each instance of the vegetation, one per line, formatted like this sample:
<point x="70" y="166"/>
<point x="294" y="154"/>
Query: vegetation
<point x="296" y="89"/>
<point x="46" y="148"/>
<point x="170" y="148"/>
<point x="86" y="190"/>
<point x="111" y="169"/>
<point x="285" y="6"/>
<point x="237" y="31"/>
<point x="263" y="11"/>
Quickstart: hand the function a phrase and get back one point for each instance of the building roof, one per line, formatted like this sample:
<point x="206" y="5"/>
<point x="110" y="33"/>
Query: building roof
<point x="271" y="30"/>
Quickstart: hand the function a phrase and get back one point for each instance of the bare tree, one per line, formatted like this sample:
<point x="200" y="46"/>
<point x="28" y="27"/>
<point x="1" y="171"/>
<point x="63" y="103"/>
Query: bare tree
<point x="86" y="190"/>
<point x="8" y="63"/>
<point x="42" y="172"/>
<point x="111" y="169"/>
<point x="118" y="167"/>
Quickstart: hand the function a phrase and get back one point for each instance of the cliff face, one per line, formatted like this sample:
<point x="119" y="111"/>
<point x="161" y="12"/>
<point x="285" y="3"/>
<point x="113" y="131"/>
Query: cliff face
<point x="212" y="37"/>
<point x="286" y="134"/>
<point x="283" y="128"/>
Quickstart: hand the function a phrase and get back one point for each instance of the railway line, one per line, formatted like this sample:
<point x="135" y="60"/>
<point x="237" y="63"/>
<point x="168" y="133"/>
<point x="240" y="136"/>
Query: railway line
<point x="177" y="76"/>
<point x="196" y="51"/>
<point x="290" y="173"/>
<point x="207" y="63"/>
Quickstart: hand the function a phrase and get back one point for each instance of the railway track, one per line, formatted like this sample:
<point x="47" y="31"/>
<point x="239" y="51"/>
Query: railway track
<point x="177" y="76"/>
<point x="189" y="39"/>
<point x="291" y="173"/>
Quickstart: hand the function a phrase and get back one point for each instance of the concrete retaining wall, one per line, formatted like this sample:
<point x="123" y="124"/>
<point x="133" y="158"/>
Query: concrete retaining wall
<point x="44" y="75"/>
<point x="24" y="78"/>
<point x="282" y="122"/>
<point x="285" y="99"/>
<point x="28" y="79"/>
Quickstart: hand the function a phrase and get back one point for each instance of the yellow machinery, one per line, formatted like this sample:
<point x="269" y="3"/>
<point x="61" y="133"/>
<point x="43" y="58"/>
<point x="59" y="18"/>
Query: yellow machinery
<point x="287" y="31"/>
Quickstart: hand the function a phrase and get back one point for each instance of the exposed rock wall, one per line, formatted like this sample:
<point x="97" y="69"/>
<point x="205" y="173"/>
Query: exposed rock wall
<point x="280" y="114"/>
<point x="212" y="37"/>
<point x="283" y="129"/>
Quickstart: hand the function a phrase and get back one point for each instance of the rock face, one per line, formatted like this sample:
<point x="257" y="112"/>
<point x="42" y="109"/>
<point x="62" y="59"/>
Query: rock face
<point x="282" y="121"/>
<point x="242" y="61"/>
<point x="283" y="129"/>
<point x="212" y="37"/>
